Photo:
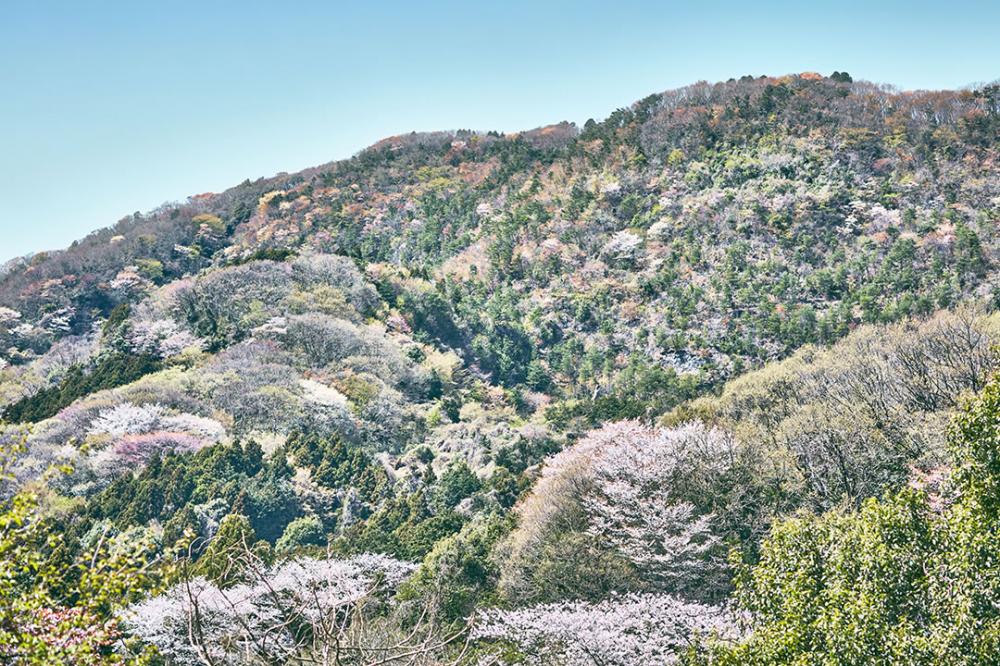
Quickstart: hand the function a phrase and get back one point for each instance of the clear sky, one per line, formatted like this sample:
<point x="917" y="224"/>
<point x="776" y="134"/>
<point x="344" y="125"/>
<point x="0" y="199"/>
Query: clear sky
<point x="111" y="107"/>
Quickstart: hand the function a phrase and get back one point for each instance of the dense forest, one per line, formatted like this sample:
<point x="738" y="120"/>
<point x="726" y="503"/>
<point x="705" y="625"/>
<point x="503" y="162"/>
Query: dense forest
<point x="710" y="381"/>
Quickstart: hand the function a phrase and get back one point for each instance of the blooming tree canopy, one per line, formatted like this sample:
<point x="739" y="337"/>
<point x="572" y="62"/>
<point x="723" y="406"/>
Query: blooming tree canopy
<point x="632" y="630"/>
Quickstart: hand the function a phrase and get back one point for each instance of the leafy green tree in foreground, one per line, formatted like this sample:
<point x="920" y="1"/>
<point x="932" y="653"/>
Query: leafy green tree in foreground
<point x="910" y="579"/>
<point x="56" y="606"/>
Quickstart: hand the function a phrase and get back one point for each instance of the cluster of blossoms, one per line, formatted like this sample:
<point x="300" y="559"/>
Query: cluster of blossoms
<point x="623" y="245"/>
<point x="198" y="622"/>
<point x="631" y="630"/>
<point x="7" y="315"/>
<point x="141" y="431"/>
<point x="129" y="281"/>
<point x="163" y="338"/>
<point x="60" y="321"/>
<point x="635" y="487"/>
<point x="633" y="503"/>
<point x="8" y="321"/>
<point x="127" y="419"/>
<point x="633" y="484"/>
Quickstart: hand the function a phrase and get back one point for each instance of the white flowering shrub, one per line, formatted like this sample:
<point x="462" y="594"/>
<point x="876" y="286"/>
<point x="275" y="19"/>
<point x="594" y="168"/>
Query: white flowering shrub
<point x="636" y="505"/>
<point x="129" y="282"/>
<point x="631" y="630"/>
<point x="59" y="322"/>
<point x="8" y="316"/>
<point x="623" y="246"/>
<point x="287" y="610"/>
<point x="127" y="419"/>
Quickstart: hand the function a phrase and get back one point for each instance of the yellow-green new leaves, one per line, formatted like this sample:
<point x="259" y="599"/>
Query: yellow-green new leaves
<point x="910" y="579"/>
<point x="56" y="607"/>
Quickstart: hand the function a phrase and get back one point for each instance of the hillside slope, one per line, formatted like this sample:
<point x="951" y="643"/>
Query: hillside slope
<point x="701" y="229"/>
<point x="795" y="277"/>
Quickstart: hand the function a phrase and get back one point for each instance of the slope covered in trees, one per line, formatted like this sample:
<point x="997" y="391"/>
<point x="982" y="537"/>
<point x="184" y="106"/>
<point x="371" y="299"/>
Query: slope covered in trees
<point x="480" y="398"/>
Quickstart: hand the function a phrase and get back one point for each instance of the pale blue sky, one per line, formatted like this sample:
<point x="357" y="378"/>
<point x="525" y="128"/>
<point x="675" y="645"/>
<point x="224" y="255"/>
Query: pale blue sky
<point x="111" y="107"/>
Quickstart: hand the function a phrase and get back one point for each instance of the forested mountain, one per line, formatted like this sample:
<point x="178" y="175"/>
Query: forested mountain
<point x="708" y="381"/>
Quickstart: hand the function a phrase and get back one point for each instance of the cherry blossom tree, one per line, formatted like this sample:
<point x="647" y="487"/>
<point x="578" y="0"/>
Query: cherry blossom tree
<point x="139" y="432"/>
<point x="631" y="630"/>
<point x="635" y="491"/>
<point x="325" y="611"/>
<point x="163" y="338"/>
<point x="635" y="504"/>
<point x="127" y="419"/>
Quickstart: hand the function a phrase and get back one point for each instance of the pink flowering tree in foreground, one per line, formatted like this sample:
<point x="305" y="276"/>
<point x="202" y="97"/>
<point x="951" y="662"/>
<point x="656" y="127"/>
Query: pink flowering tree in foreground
<point x="632" y="490"/>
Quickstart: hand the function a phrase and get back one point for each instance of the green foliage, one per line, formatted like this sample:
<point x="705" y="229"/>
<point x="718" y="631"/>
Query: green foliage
<point x="116" y="318"/>
<point x="505" y="351"/>
<point x="575" y="565"/>
<point x="58" y="600"/>
<point x="762" y="215"/>
<point x="227" y="560"/>
<point x="300" y="533"/>
<point x="459" y="573"/>
<point x="910" y="579"/>
<point x="842" y="588"/>
<point x="432" y="316"/>
<point x="168" y="490"/>
<point x="976" y="445"/>
<point x="110" y="371"/>
<point x="403" y="526"/>
<point x="455" y="484"/>
<point x="270" y="505"/>
<point x="336" y="464"/>
<point x="641" y="391"/>
<point x="151" y="269"/>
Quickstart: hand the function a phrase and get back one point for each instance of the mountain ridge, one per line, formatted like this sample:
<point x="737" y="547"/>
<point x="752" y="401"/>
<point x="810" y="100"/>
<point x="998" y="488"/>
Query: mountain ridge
<point x="348" y="206"/>
<point x="401" y="137"/>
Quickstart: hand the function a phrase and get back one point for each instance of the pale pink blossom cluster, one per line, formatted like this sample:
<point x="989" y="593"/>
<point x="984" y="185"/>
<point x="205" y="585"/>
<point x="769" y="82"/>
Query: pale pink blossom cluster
<point x="635" y="506"/>
<point x="258" y="620"/>
<point x="140" y="449"/>
<point x="8" y="316"/>
<point x="128" y="281"/>
<point x="622" y="245"/>
<point x="140" y="432"/>
<point x="630" y="630"/>
<point x="127" y="419"/>
<point x="631" y="482"/>
<point x="163" y="338"/>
